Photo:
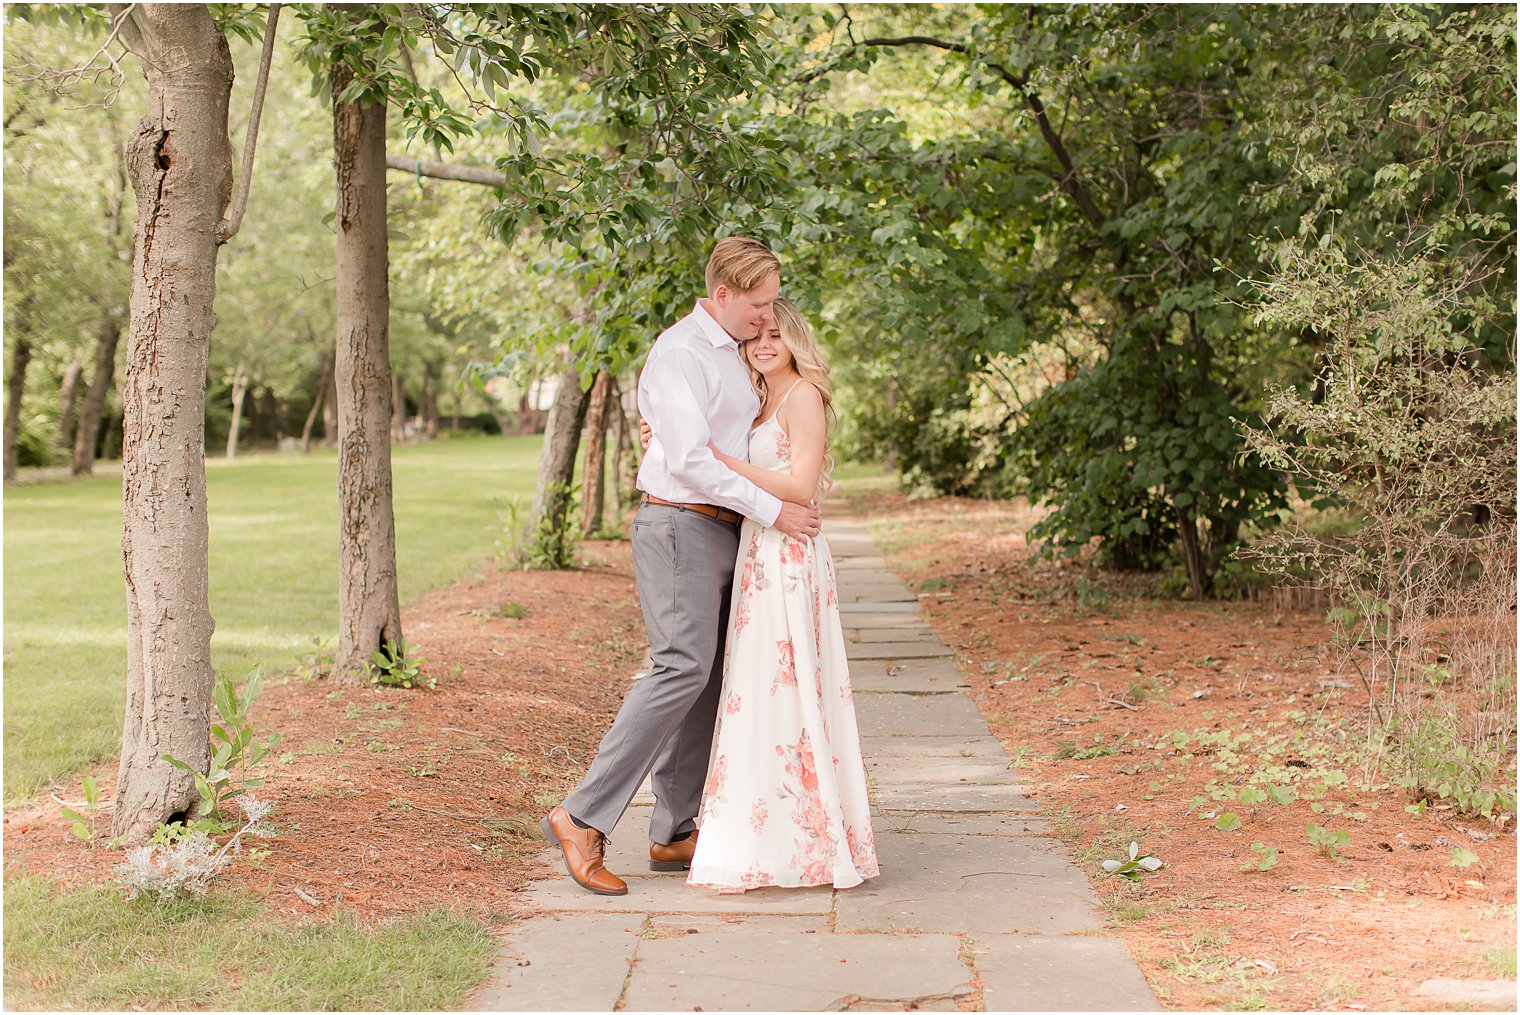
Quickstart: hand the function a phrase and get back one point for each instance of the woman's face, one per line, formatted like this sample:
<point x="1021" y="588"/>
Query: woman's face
<point x="768" y="354"/>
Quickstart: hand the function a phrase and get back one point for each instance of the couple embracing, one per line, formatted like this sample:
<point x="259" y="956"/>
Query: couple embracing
<point x="736" y="400"/>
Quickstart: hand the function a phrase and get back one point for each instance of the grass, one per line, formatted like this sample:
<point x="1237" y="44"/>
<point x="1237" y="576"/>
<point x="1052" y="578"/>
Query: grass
<point x="274" y="572"/>
<point x="89" y="949"/>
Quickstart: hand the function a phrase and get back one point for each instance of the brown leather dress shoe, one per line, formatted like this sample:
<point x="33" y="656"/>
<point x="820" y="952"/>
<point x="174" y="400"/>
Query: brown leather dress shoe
<point x="583" y="849"/>
<point x="674" y="857"/>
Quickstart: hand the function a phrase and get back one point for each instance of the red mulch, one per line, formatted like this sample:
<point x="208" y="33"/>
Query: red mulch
<point x="1047" y="646"/>
<point x="388" y="800"/>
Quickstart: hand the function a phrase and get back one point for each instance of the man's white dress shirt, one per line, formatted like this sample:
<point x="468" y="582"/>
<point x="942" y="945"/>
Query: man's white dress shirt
<point x="696" y="388"/>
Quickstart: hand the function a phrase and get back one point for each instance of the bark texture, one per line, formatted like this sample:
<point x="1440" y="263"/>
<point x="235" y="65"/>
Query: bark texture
<point x="398" y="410"/>
<point x="369" y="605"/>
<point x="15" y="386"/>
<point x="593" y="488"/>
<point x="625" y="461"/>
<point x="547" y="535"/>
<point x="102" y="381"/>
<point x="330" y="408"/>
<point x="180" y="163"/>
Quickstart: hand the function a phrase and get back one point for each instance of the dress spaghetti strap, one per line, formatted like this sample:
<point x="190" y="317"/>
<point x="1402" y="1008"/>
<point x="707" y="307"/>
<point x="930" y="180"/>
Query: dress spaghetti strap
<point x="776" y="411"/>
<point x="786" y="396"/>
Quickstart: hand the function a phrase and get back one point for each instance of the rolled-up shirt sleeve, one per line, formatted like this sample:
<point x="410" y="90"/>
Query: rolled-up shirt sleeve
<point x="677" y="393"/>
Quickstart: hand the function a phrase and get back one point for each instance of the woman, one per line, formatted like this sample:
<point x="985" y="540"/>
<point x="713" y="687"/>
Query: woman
<point x="785" y="802"/>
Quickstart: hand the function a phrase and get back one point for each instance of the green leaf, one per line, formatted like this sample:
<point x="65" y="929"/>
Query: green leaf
<point x="1227" y="822"/>
<point x="1462" y="857"/>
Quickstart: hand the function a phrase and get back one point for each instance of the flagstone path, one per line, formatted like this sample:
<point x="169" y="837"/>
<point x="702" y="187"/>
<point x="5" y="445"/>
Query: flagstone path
<point x="973" y="903"/>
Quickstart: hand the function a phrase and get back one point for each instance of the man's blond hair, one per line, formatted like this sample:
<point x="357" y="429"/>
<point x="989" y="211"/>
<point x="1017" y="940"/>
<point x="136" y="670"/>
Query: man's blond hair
<point x="742" y="263"/>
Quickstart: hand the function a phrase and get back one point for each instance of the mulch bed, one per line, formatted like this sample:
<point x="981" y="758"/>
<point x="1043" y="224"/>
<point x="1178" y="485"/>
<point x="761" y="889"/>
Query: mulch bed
<point x="389" y="801"/>
<point x="1050" y="647"/>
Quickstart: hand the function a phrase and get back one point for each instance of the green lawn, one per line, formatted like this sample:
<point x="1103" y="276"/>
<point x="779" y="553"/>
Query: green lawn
<point x="89" y="950"/>
<point x="274" y="578"/>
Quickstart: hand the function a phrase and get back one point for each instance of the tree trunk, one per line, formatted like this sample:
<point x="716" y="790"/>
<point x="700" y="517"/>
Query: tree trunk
<point x="369" y="604"/>
<point x="68" y="396"/>
<point x="1192" y="554"/>
<point x="180" y="163"/>
<point x="15" y="384"/>
<point x="320" y="404"/>
<point x="398" y="410"/>
<point x="547" y="536"/>
<point x="87" y="433"/>
<point x="593" y="492"/>
<point x="330" y="407"/>
<point x="239" y="392"/>
<point x="430" y="400"/>
<point x="625" y="461"/>
<point x="110" y="440"/>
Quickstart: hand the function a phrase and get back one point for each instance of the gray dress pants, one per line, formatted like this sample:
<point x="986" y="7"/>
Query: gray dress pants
<point x="684" y="563"/>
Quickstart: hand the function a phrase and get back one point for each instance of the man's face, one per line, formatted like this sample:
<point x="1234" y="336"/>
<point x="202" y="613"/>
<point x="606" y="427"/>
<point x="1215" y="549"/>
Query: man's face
<point x="744" y="314"/>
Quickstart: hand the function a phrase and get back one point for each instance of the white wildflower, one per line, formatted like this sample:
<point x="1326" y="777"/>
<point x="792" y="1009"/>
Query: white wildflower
<point x="184" y="868"/>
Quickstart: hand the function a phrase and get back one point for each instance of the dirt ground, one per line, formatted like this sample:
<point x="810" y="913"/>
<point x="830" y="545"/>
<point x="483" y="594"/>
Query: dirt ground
<point x="1124" y="713"/>
<point x="390" y="800"/>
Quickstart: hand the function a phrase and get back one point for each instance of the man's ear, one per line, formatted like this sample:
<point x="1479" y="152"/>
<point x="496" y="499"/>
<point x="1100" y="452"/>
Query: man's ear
<point x="721" y="294"/>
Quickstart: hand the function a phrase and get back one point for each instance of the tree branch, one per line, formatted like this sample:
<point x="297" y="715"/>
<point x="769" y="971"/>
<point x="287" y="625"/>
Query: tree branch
<point x="233" y="220"/>
<point x="1068" y="180"/>
<point x="447" y="171"/>
<point x="125" y="26"/>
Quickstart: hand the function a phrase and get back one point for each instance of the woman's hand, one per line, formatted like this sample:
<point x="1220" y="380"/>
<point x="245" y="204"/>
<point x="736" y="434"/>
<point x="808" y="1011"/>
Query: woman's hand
<point x="644" y="433"/>
<point x="720" y="456"/>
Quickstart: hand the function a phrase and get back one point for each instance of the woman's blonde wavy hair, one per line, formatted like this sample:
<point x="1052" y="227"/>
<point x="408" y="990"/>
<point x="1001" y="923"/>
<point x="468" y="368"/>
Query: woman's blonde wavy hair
<point x="809" y="361"/>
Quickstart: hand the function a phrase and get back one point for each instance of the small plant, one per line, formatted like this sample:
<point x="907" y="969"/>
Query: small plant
<point x="547" y="544"/>
<point x="1266" y="858"/>
<point x="1229" y="821"/>
<point x="1252" y="795"/>
<point x="181" y="861"/>
<point x="84" y="824"/>
<point x="316" y="661"/>
<point x="233" y="753"/>
<point x="1091" y="596"/>
<point x="1462" y="857"/>
<point x="1068" y="750"/>
<point x="1327" y="842"/>
<point x="1133" y="868"/>
<point x="511" y="611"/>
<point x="1439" y="767"/>
<point x="392" y="665"/>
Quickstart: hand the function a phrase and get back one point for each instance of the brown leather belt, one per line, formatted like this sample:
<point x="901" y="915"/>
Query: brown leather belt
<point x="710" y="510"/>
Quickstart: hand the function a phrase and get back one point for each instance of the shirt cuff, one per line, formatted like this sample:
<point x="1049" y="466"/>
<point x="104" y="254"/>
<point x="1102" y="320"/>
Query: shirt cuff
<point x="770" y="509"/>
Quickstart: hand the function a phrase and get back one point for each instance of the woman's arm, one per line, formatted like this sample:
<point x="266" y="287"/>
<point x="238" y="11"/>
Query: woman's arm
<point x="802" y="417"/>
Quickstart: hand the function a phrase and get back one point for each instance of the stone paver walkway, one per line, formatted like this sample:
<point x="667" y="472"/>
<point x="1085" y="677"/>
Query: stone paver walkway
<point x="970" y="895"/>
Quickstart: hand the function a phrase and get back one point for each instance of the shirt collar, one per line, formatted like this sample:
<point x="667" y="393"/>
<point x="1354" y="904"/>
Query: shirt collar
<point x="715" y="332"/>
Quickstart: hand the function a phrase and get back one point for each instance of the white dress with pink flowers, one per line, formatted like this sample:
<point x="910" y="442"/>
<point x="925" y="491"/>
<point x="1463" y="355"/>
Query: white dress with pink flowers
<point x="785" y="802"/>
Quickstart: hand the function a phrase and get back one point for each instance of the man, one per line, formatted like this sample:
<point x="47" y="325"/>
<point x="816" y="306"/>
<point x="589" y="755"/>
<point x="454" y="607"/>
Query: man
<point x="695" y="389"/>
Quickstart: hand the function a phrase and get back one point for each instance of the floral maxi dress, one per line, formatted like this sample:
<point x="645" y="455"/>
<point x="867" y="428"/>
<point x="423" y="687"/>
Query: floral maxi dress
<point x="785" y="801"/>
